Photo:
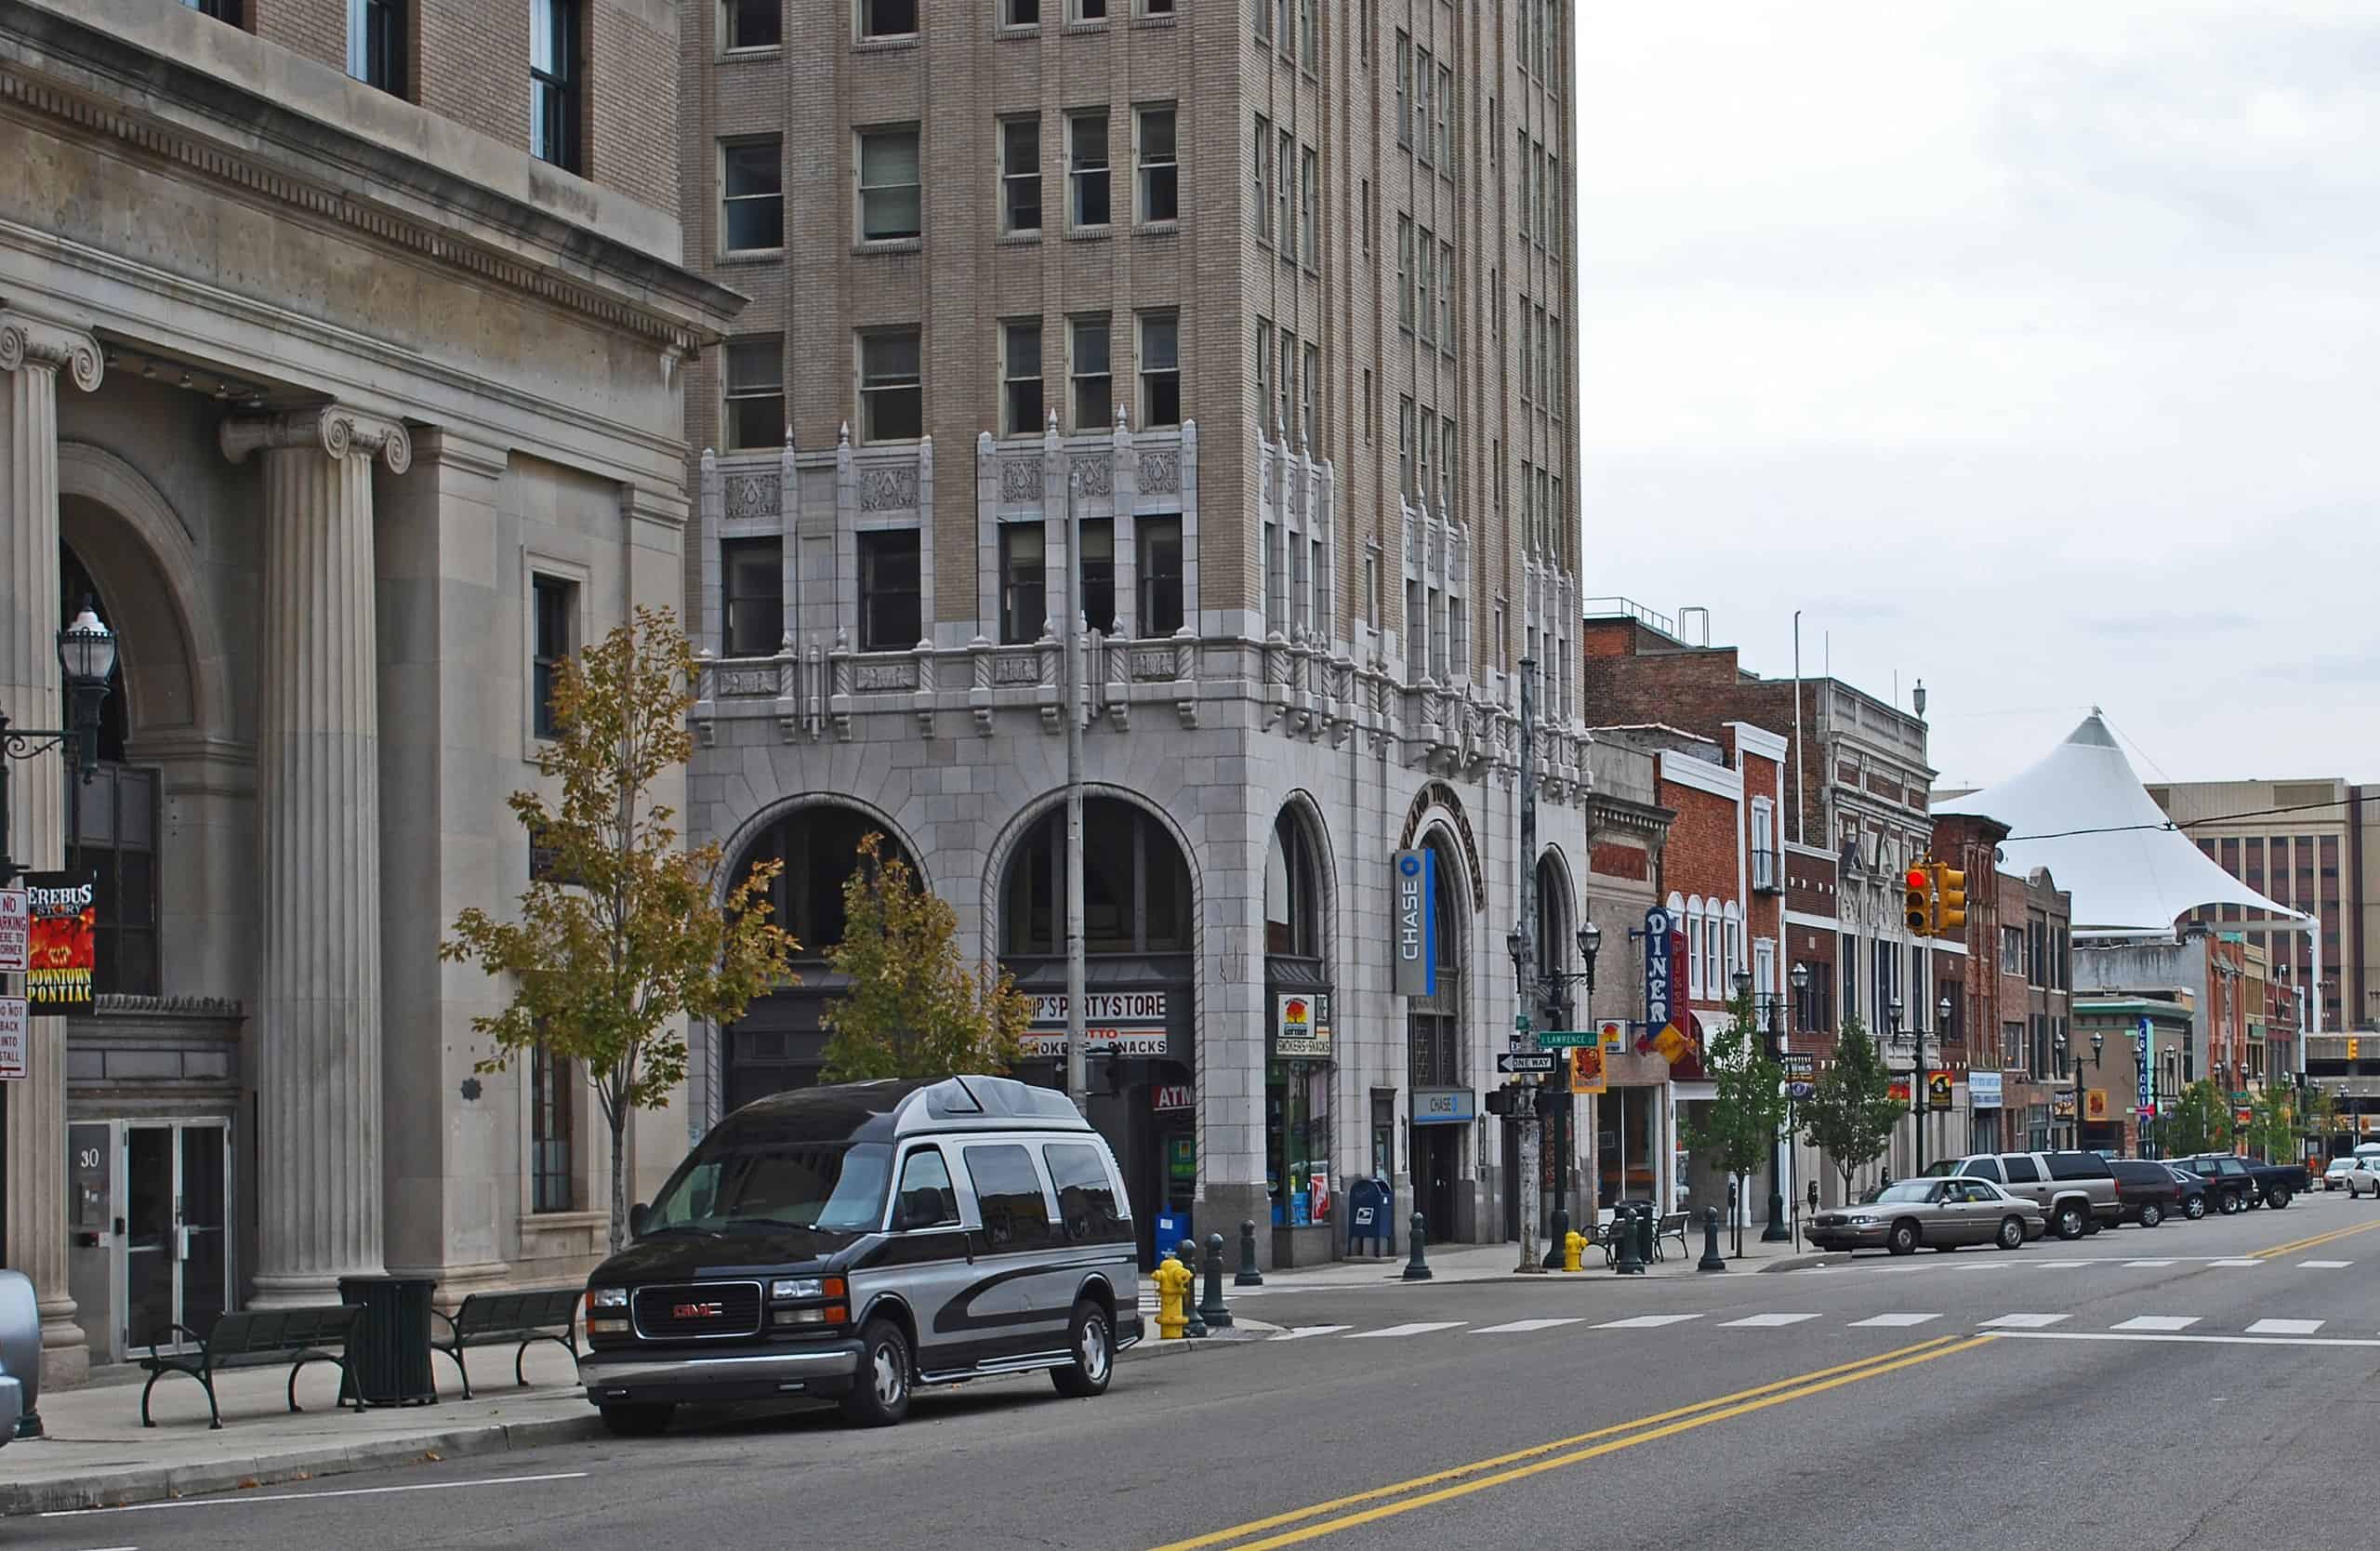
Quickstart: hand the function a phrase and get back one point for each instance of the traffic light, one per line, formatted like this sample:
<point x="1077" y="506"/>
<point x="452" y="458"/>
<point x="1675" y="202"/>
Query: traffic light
<point x="1950" y="901"/>
<point x="1917" y="902"/>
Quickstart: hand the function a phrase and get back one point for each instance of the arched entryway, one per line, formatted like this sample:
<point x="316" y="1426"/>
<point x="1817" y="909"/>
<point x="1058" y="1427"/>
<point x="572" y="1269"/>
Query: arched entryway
<point x="1139" y="931"/>
<point x="1299" y="1059"/>
<point x="1435" y="1042"/>
<point x="780" y="1043"/>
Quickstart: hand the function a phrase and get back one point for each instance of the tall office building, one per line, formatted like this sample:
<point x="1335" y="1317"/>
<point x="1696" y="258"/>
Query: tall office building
<point x="1275" y="299"/>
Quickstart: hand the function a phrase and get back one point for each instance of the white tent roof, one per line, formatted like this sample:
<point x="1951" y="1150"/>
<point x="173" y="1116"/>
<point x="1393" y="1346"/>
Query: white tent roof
<point x="2105" y="840"/>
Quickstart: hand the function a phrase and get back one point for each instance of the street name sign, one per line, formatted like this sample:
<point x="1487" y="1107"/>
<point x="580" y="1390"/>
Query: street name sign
<point x="1564" y="1039"/>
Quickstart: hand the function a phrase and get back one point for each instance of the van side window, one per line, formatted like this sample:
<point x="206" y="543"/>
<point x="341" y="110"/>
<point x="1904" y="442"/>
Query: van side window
<point x="2022" y="1170"/>
<point x="926" y="1200"/>
<point x="1085" y="1199"/>
<point x="1008" y="1188"/>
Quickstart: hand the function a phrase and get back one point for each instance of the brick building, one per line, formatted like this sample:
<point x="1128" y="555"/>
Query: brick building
<point x="340" y="368"/>
<point x="2014" y="1010"/>
<point x="1275" y="300"/>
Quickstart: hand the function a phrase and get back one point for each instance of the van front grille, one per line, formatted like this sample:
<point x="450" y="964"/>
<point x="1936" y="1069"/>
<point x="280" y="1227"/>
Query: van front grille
<point x="697" y="1311"/>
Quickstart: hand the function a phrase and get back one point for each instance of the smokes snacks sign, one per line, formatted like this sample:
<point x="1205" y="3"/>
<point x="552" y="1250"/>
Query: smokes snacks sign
<point x="59" y="954"/>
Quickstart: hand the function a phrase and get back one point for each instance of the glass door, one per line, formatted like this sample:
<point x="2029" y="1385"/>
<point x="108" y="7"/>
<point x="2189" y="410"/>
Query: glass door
<point x="177" y="1255"/>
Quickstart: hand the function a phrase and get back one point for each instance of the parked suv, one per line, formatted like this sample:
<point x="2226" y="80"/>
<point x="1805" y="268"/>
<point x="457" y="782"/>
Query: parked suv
<point x="2075" y="1190"/>
<point x="2148" y="1190"/>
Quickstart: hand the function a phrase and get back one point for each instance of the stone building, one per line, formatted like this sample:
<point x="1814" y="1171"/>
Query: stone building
<point x="1271" y="301"/>
<point x="342" y="348"/>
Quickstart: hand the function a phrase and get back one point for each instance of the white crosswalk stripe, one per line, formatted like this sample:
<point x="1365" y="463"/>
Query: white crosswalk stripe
<point x="2147" y="1263"/>
<point x="2285" y="1326"/>
<point x="2325" y="1265"/>
<point x="1302" y="1331"/>
<point x="2157" y="1323"/>
<point x="2058" y="1265"/>
<point x="1766" y="1322"/>
<point x="2240" y="1261"/>
<point x="1647" y="1321"/>
<point x="1892" y="1321"/>
<point x="1418" y="1328"/>
<point x="2024" y="1321"/>
<point x="1523" y="1327"/>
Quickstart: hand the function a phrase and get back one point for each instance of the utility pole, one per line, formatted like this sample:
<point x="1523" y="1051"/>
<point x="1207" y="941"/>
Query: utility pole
<point x="1077" y="1073"/>
<point x="1525" y="969"/>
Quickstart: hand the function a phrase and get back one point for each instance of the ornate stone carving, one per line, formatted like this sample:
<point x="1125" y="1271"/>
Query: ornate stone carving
<point x="881" y="676"/>
<point x="753" y="492"/>
<point x="1153" y="663"/>
<point x="747" y="680"/>
<point x="336" y="430"/>
<point x="1017" y="668"/>
<point x="25" y="338"/>
<point x="1020" y="479"/>
<point x="1097" y="474"/>
<point x="893" y="489"/>
<point x="1161" y="473"/>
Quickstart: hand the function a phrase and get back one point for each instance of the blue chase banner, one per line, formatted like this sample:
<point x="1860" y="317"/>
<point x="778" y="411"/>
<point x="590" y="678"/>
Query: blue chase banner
<point x="1413" y="903"/>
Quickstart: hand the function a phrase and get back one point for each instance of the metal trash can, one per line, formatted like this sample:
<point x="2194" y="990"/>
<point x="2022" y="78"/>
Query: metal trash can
<point x="388" y="1353"/>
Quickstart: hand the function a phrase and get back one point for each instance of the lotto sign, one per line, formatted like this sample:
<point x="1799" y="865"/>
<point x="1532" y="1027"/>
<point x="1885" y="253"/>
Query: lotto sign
<point x="1301" y="1027"/>
<point x="16" y="928"/>
<point x="13" y="1013"/>
<point x="1115" y="1023"/>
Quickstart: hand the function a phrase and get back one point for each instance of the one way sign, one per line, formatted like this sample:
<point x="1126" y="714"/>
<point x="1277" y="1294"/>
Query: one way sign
<point x="1512" y="1061"/>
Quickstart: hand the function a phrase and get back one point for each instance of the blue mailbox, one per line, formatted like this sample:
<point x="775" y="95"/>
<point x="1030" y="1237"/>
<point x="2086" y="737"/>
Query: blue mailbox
<point x="1371" y="1213"/>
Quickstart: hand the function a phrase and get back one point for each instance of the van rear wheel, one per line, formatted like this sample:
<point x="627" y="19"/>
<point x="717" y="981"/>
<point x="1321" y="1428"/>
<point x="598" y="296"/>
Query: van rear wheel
<point x="1090" y="1340"/>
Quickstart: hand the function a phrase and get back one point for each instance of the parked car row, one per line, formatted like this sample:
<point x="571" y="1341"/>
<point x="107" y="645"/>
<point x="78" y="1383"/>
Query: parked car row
<point x="2009" y="1199"/>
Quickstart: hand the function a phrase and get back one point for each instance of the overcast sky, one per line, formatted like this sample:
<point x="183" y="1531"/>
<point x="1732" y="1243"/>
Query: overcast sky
<point x="2032" y="350"/>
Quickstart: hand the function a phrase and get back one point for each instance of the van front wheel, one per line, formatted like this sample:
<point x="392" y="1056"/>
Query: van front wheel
<point x="880" y="1392"/>
<point x="1090" y="1340"/>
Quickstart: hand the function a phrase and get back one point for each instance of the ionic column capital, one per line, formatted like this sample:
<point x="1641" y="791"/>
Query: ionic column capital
<point x="26" y="339"/>
<point x="336" y="430"/>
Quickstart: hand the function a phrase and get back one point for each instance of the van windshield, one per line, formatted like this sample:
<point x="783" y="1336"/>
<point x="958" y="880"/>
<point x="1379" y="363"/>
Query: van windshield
<point x="831" y="1187"/>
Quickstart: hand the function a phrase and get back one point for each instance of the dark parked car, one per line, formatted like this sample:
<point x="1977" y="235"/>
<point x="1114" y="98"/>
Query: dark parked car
<point x="2245" y="1183"/>
<point x="2147" y="1190"/>
<point x="2193" y="1187"/>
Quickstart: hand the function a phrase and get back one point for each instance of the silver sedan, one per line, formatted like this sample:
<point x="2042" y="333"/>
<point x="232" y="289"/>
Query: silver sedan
<point x="1944" y="1213"/>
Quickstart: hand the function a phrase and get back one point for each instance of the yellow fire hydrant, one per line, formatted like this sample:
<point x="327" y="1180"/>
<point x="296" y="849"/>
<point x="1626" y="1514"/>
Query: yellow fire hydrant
<point x="1173" y="1283"/>
<point x="1574" y="1250"/>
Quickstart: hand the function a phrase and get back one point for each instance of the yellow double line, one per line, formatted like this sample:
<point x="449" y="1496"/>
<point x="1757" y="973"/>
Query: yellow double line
<point x="1441" y="1486"/>
<point x="2296" y="1245"/>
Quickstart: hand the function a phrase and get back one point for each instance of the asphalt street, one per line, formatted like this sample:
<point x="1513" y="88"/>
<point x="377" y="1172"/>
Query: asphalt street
<point x="2208" y="1385"/>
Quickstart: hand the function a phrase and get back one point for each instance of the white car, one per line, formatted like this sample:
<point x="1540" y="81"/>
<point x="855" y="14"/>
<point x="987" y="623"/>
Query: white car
<point x="2363" y="1174"/>
<point x="2334" y="1177"/>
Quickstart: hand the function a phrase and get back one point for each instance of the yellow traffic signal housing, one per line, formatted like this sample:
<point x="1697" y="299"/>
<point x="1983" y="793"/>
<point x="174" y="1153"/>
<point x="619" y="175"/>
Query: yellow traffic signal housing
<point x="1917" y="901"/>
<point x="1950" y="901"/>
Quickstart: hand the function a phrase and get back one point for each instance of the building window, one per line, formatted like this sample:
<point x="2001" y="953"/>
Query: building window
<point x="1405" y="271"/>
<point x="1025" y="602"/>
<point x="1022" y="399"/>
<point x="1160" y="370"/>
<point x="888" y="591"/>
<point x="752" y="195"/>
<point x="1445" y="120"/>
<point x="115" y="822"/>
<point x="375" y="44"/>
<point x="552" y="1168"/>
<point x="1425" y="81"/>
<point x="1283" y="167"/>
<point x="1404" y="446"/>
<point x="1404" y="88"/>
<point x="1156" y="7"/>
<point x="1282" y="414"/>
<point x="1090" y="11"/>
<point x="221" y="10"/>
<point x="1310" y="392"/>
<point x="755" y="378"/>
<point x="1446" y="296"/>
<point x="1425" y="255"/>
<point x="1263" y="371"/>
<point x="1159" y="540"/>
<point x="1021" y="13"/>
<point x="753" y="23"/>
<point x="1306" y="49"/>
<point x="553" y="82"/>
<point x="1086" y="167"/>
<point x="889" y="193"/>
<point x="553" y="601"/>
<point x="892" y="394"/>
<point x="1097" y="577"/>
<point x="1263" y="12"/>
<point x="1261" y="171"/>
<point x="1020" y="176"/>
<point x="1309" y="209"/>
<point x="752" y="584"/>
<point x="1160" y="189"/>
<point x="1093" y="376"/>
<point x="888" y="19"/>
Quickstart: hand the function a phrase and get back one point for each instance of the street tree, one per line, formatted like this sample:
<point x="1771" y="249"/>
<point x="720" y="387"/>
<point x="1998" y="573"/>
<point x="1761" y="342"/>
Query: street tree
<point x="1851" y="1112"/>
<point x="623" y="933"/>
<point x="1742" y="1121"/>
<point x="2321" y="1119"/>
<point x="2272" y="1134"/>
<point x="2200" y="1121"/>
<point x="914" y="1008"/>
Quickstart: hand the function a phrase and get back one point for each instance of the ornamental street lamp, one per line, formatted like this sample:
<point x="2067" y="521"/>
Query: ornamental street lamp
<point x="1894" y="1036"/>
<point x="87" y="652"/>
<point x="1554" y="1003"/>
<point x="2081" y="1126"/>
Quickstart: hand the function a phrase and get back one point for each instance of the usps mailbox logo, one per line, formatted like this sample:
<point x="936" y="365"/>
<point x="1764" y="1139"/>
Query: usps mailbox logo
<point x="1413" y="879"/>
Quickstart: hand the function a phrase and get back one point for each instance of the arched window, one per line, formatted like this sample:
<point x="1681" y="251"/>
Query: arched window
<point x="1292" y="892"/>
<point x="819" y="845"/>
<point x="1136" y="885"/>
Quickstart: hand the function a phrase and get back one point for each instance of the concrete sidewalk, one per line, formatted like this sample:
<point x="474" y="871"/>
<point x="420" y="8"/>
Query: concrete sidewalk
<point x="98" y="1455"/>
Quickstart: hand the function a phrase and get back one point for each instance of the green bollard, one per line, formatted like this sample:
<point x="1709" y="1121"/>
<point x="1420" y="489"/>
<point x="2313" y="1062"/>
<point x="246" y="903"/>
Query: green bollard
<point x="1248" y="1275"/>
<point x="1214" y="1311"/>
<point x="1623" y="1222"/>
<point x="1712" y="1260"/>
<point x="1194" y="1327"/>
<point x="1416" y="1268"/>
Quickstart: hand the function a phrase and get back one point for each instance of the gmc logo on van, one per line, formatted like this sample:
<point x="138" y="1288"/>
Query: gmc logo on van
<point x="698" y="1311"/>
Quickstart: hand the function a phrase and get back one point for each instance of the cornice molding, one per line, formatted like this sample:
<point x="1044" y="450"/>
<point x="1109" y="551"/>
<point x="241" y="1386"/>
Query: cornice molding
<point x="337" y="430"/>
<point x="27" y="339"/>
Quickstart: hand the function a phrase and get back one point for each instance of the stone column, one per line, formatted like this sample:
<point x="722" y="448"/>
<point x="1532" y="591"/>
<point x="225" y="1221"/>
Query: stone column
<point x="32" y="352"/>
<point x="318" y="824"/>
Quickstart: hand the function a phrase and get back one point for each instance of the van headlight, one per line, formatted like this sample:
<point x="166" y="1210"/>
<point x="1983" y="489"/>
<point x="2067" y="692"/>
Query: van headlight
<point x="795" y="1286"/>
<point x="607" y="1297"/>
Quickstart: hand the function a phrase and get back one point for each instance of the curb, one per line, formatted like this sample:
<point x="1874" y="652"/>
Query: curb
<point x="1801" y="1262"/>
<point x="123" y="1488"/>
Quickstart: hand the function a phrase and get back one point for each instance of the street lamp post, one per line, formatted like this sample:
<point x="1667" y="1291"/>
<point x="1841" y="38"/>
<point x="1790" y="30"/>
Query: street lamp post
<point x="1942" y="1011"/>
<point x="87" y="651"/>
<point x="2081" y="1115"/>
<point x="1894" y="1036"/>
<point x="2058" y="1044"/>
<point x="1554" y="1005"/>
